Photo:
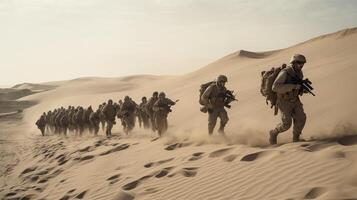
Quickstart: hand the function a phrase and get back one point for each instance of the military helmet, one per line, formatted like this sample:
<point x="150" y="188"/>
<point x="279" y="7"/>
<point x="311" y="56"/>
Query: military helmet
<point x="162" y="94"/>
<point x="110" y="101"/>
<point x="221" y="78"/>
<point x="126" y="98"/>
<point x="155" y="93"/>
<point x="298" y="58"/>
<point x="143" y="98"/>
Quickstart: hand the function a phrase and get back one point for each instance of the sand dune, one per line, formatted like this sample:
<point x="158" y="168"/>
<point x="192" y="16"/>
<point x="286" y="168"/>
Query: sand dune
<point x="187" y="164"/>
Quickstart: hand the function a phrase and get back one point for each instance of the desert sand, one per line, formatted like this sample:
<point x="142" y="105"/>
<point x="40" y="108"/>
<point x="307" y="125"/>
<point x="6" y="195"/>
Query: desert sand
<point x="186" y="163"/>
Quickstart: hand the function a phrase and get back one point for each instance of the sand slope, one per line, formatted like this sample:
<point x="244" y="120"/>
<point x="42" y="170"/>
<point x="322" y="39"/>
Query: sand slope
<point x="187" y="164"/>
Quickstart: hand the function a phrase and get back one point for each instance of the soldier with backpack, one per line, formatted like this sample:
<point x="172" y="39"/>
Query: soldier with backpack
<point x="282" y="87"/>
<point x="214" y="97"/>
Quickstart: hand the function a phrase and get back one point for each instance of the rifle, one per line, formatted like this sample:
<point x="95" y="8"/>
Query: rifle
<point x="229" y="97"/>
<point x="305" y="85"/>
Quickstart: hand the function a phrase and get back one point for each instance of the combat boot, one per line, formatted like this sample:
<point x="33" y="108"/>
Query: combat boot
<point x="221" y="130"/>
<point x="273" y="137"/>
<point x="296" y="138"/>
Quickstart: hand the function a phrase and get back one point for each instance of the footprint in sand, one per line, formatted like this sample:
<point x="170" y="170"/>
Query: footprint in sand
<point x="151" y="164"/>
<point x="115" y="149"/>
<point x="317" y="146"/>
<point x="176" y="145"/>
<point x="28" y="170"/>
<point x="251" y="157"/>
<point x="134" y="184"/>
<point x="81" y="195"/>
<point x="219" y="153"/>
<point x="87" y="149"/>
<point x="196" y="156"/>
<point x="186" y="172"/>
<point x="88" y="157"/>
<point x="71" y="191"/>
<point x="266" y="154"/>
<point x="65" y="197"/>
<point x="62" y="159"/>
<point x="150" y="191"/>
<point x="123" y="195"/>
<point x="113" y="179"/>
<point x="315" y="192"/>
<point x="163" y="172"/>
<point x="230" y="158"/>
<point x="348" y="140"/>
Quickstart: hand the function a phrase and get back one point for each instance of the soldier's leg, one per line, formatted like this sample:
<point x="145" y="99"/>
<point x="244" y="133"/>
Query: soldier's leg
<point x="166" y="125"/>
<point x="96" y="129"/>
<point x="299" y="119"/>
<point x="224" y="119"/>
<point x="65" y="131"/>
<point x="286" y="109"/>
<point x="212" y="120"/>
<point x="42" y="131"/>
<point x="153" y="121"/>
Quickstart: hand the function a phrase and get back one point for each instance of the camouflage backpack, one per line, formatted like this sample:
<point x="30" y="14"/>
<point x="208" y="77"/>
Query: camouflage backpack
<point x="203" y="89"/>
<point x="268" y="78"/>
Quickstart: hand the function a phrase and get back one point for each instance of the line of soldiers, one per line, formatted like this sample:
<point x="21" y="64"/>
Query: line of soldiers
<point x="281" y="86"/>
<point x="150" y="113"/>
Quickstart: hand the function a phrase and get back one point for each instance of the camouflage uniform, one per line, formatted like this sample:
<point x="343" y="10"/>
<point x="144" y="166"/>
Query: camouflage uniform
<point x="94" y="121"/>
<point x="289" y="103"/>
<point x="64" y="121"/>
<point x="143" y="114"/>
<point x="109" y="113"/>
<point x="150" y="111"/>
<point x="79" y="120"/>
<point x="214" y="100"/>
<point x="162" y="109"/>
<point x="127" y="111"/>
<point x="41" y="124"/>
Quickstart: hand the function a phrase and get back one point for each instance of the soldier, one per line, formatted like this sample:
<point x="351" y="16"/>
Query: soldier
<point x="101" y="116"/>
<point x="86" y="115"/>
<point x="58" y="122"/>
<point x="47" y="119"/>
<point x="149" y="109"/>
<point x="214" y="99"/>
<point x="64" y="121"/>
<point x="79" y="120"/>
<point x="109" y="113"/>
<point x="94" y="120"/>
<point x="142" y="113"/>
<point x="288" y="101"/>
<point x="41" y="123"/>
<point x="127" y="112"/>
<point x="162" y="109"/>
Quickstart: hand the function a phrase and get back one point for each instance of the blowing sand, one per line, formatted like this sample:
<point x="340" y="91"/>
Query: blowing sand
<point x="187" y="163"/>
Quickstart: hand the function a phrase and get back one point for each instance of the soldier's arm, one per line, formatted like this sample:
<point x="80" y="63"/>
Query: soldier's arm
<point x="279" y="85"/>
<point x="206" y="94"/>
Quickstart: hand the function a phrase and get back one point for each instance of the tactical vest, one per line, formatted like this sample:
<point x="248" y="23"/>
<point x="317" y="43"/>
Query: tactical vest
<point x="292" y="96"/>
<point x="216" y="97"/>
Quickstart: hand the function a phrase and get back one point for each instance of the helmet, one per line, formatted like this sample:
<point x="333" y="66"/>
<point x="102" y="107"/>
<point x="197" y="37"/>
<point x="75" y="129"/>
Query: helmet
<point x="126" y="98"/>
<point x="155" y="93"/>
<point x="143" y="98"/>
<point x="110" y="101"/>
<point x="298" y="58"/>
<point x="221" y="78"/>
<point x="162" y="94"/>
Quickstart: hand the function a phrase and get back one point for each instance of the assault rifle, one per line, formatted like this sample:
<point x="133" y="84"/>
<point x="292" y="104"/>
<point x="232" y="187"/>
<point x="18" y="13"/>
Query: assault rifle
<point x="305" y="85"/>
<point x="229" y="97"/>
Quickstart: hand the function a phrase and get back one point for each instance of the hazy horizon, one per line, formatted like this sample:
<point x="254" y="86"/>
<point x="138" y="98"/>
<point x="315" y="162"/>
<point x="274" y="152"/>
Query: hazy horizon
<point x="49" y="40"/>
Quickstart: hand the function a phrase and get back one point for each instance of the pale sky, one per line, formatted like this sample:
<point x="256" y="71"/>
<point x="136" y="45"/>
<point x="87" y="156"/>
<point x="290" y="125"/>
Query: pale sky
<point x="48" y="40"/>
